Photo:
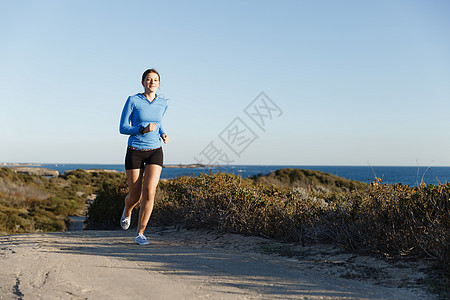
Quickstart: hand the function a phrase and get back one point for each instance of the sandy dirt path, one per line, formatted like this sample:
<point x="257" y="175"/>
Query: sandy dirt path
<point x="176" y="265"/>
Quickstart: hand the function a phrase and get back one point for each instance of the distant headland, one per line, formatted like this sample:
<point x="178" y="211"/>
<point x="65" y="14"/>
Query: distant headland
<point x="8" y="164"/>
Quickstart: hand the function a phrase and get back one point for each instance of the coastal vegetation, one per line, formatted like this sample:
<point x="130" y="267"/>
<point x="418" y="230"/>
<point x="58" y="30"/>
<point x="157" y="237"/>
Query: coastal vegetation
<point x="394" y="221"/>
<point x="33" y="203"/>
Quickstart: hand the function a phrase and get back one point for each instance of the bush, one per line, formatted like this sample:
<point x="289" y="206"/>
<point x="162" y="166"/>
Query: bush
<point x="395" y="220"/>
<point x="230" y="203"/>
<point x="308" y="179"/>
<point x="105" y="212"/>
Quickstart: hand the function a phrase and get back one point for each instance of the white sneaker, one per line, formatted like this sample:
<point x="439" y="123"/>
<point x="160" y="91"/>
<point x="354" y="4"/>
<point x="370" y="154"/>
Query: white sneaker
<point x="141" y="239"/>
<point x="125" y="222"/>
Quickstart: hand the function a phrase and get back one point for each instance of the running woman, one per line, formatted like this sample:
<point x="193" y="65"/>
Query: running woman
<point x="141" y="120"/>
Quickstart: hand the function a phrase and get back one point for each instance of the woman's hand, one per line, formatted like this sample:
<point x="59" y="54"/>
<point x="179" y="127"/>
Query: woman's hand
<point x="150" y="127"/>
<point x="165" y="138"/>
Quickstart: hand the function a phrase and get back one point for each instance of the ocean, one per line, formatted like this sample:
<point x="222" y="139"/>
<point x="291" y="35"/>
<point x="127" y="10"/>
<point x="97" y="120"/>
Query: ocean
<point x="405" y="175"/>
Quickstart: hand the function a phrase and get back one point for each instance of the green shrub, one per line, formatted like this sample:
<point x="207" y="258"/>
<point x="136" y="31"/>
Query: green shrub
<point x="308" y="179"/>
<point x="105" y="212"/>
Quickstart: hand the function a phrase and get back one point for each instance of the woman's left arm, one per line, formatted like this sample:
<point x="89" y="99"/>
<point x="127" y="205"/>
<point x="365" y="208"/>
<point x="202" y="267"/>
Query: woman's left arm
<point x="162" y="133"/>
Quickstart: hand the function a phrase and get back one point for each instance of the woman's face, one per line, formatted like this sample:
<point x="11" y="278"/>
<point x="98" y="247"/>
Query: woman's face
<point x="151" y="82"/>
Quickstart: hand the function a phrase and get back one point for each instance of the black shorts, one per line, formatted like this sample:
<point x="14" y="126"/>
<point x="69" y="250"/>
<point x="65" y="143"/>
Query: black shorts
<point x="137" y="159"/>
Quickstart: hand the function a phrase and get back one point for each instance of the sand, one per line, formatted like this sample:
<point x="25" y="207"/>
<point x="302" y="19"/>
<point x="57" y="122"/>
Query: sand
<point x="181" y="264"/>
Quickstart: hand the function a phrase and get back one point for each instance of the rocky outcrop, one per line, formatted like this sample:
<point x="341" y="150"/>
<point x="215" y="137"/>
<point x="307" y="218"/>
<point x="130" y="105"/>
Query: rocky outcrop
<point x="93" y="171"/>
<point x="36" y="171"/>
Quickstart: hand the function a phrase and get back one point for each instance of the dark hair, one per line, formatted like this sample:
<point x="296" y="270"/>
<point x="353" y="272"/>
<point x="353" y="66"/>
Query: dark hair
<point x="150" y="71"/>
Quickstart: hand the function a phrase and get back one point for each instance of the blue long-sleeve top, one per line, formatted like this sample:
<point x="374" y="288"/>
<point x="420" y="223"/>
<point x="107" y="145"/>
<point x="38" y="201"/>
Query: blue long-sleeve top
<point x="139" y="112"/>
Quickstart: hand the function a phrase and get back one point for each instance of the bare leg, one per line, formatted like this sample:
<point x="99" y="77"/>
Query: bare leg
<point x="134" y="178"/>
<point x="151" y="180"/>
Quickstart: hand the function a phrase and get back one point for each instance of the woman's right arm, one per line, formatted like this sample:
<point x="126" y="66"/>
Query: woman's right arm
<point x="125" y="126"/>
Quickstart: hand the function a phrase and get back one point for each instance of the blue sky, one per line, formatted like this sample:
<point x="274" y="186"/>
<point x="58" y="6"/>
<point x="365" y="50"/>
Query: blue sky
<point x="355" y="82"/>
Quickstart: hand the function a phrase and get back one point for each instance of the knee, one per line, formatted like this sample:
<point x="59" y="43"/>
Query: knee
<point x="149" y="194"/>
